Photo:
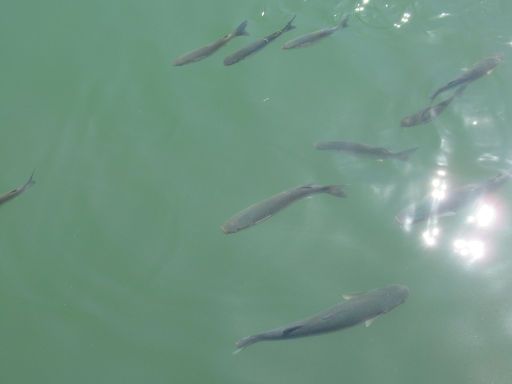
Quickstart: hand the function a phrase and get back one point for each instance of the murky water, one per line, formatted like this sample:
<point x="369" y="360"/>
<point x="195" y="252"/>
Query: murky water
<point x="113" y="267"/>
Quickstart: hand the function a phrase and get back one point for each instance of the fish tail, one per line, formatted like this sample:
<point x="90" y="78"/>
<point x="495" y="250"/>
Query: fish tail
<point x="289" y="26"/>
<point x="30" y="180"/>
<point x="245" y="342"/>
<point x="335" y="190"/>
<point x="240" y="30"/>
<point x="343" y="22"/>
<point x="404" y="155"/>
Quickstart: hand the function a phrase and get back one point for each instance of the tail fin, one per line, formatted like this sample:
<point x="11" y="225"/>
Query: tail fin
<point x="289" y="26"/>
<point x="30" y="181"/>
<point x="335" y="190"/>
<point x="245" y="342"/>
<point x="404" y="155"/>
<point x="343" y="22"/>
<point x="240" y="30"/>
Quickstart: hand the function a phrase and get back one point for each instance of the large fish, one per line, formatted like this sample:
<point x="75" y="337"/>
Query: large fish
<point x="263" y="210"/>
<point x="201" y="53"/>
<point x="480" y="69"/>
<point x="431" y="112"/>
<point x="257" y="45"/>
<point x="460" y="197"/>
<point x="313" y="37"/>
<point x="365" y="150"/>
<point x="356" y="309"/>
<point x="17" y="191"/>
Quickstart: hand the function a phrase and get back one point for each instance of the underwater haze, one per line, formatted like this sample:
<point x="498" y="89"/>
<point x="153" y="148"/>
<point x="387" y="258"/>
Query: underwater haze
<point x="113" y="266"/>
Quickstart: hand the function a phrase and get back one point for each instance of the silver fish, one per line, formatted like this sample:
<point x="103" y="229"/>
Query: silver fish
<point x="480" y="69"/>
<point x="313" y="37"/>
<point x="201" y="53"/>
<point x="455" y="200"/>
<point x="263" y="210"/>
<point x="17" y="191"/>
<point x="257" y="45"/>
<point x="356" y="309"/>
<point x="431" y="112"/>
<point x="365" y="150"/>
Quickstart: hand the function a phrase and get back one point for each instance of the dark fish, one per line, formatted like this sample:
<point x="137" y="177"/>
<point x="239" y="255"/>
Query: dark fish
<point x="429" y="207"/>
<point x="201" y="53"/>
<point x="356" y="309"/>
<point x="480" y="69"/>
<point x="313" y="37"/>
<point x="17" y="191"/>
<point x="365" y="150"/>
<point x="257" y="45"/>
<point x="263" y="210"/>
<point x="431" y="112"/>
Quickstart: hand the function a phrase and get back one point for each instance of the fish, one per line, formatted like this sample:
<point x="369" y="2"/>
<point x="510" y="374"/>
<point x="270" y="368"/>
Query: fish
<point x="257" y="45"/>
<point x="263" y="210"/>
<point x="17" y="191"/>
<point x="365" y="150"/>
<point x="203" y="52"/>
<point x="431" y="112"/>
<point x="480" y="69"/>
<point x="355" y="309"/>
<point x="430" y="207"/>
<point x="313" y="37"/>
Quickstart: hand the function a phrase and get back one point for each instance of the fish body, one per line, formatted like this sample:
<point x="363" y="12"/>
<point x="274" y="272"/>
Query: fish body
<point x="265" y="209"/>
<point x="257" y="45"/>
<point x="452" y="203"/>
<point x="361" y="308"/>
<point x="431" y="112"/>
<point x="365" y="150"/>
<point x="203" y="52"/>
<point x="313" y="37"/>
<point x="480" y="69"/>
<point x="17" y="191"/>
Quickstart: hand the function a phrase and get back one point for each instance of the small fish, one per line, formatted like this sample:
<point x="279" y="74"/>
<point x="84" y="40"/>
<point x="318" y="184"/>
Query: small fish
<point x="365" y="150"/>
<point x="480" y="69"/>
<point x="263" y="210"/>
<point x="17" y="191"/>
<point x="201" y="53"/>
<point x="313" y="37"/>
<point x="257" y="45"/>
<point x="431" y="112"/>
<point x="356" y="309"/>
<point x="429" y="207"/>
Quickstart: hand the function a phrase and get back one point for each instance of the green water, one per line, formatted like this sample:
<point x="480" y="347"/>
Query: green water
<point x="113" y="268"/>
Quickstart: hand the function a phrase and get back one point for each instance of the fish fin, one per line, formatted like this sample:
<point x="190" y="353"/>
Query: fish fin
<point x="348" y="296"/>
<point x="335" y="190"/>
<point x="30" y="181"/>
<point x="289" y="330"/>
<point x="240" y="30"/>
<point x="245" y="342"/>
<point x="404" y="155"/>
<point x="289" y="26"/>
<point x="343" y="22"/>
<point x="263" y="219"/>
<point x="369" y="322"/>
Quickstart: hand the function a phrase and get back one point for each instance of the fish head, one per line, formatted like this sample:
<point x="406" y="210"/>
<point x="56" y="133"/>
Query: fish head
<point x="409" y="121"/>
<point x="229" y="227"/>
<point x="394" y="295"/>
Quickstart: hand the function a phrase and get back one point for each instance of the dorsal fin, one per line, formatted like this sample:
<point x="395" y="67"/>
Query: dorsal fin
<point x="287" y="331"/>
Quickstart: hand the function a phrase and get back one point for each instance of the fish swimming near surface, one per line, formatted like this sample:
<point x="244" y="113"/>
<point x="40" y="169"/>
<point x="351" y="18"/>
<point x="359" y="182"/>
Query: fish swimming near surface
<point x="203" y="52"/>
<point x="313" y="37"/>
<point x="431" y="112"/>
<point x="365" y="150"/>
<point x="265" y="209"/>
<point x="355" y="309"/>
<point x="480" y="69"/>
<point x="17" y="191"/>
<point x="257" y="45"/>
<point x="460" y="197"/>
